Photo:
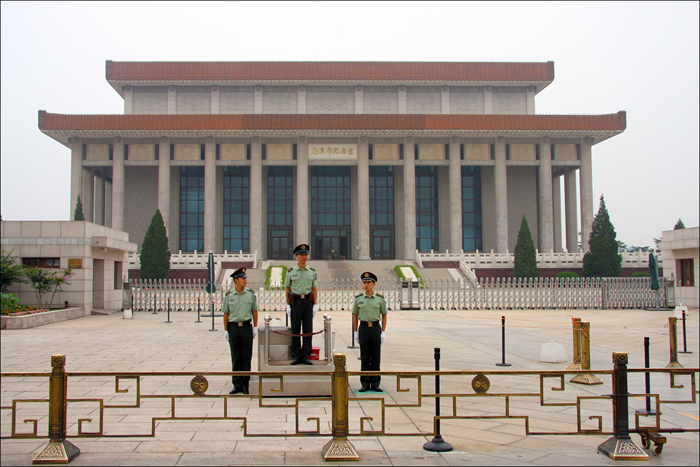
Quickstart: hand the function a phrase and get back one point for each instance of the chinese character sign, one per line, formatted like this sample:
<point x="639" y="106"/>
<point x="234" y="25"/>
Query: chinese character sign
<point x="332" y="151"/>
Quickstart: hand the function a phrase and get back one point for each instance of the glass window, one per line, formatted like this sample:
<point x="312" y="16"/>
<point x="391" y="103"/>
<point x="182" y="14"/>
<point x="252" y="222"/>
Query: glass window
<point x="687" y="274"/>
<point x="381" y="209"/>
<point x="191" y="208"/>
<point x="427" y="237"/>
<point x="280" y="205"/>
<point x="471" y="208"/>
<point x="236" y="207"/>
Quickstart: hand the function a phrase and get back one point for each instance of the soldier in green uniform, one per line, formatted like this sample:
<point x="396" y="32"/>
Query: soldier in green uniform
<point x="368" y="308"/>
<point x="301" y="287"/>
<point x="240" y="309"/>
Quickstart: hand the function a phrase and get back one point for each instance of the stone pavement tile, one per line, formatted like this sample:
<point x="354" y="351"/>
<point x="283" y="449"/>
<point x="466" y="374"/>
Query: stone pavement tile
<point x="21" y="447"/>
<point x="365" y="444"/>
<point x="476" y="458"/>
<point x="234" y="433"/>
<point x="211" y="445"/>
<point x="403" y="443"/>
<point x="416" y="458"/>
<point x="306" y="458"/>
<point x="290" y="444"/>
<point x="581" y="459"/>
<point x="234" y="458"/>
<point x="160" y="458"/>
<point x="105" y="445"/>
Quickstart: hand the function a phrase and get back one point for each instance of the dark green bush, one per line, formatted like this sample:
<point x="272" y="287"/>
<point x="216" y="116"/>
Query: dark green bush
<point x="567" y="274"/>
<point x="641" y="274"/>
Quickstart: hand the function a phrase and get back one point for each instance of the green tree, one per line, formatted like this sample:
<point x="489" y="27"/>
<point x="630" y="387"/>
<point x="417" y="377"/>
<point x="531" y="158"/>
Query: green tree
<point x="679" y="225"/>
<point x="58" y="281"/>
<point x="10" y="271"/>
<point x="602" y="259"/>
<point x="155" y="256"/>
<point x="525" y="262"/>
<point x="78" y="215"/>
<point x="41" y="281"/>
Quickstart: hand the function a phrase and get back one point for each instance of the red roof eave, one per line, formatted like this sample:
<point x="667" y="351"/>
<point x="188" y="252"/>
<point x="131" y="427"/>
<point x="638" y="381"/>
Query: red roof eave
<point x="330" y="71"/>
<point x="60" y="122"/>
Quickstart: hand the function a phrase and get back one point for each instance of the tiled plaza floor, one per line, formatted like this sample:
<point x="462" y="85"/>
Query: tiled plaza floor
<point x="469" y="341"/>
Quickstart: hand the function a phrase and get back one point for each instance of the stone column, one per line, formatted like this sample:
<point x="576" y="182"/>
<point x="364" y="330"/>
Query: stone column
<point x="546" y="224"/>
<point x="215" y="99"/>
<point x="455" y="196"/>
<point x="530" y="103"/>
<point x="108" y="204"/>
<point x="76" y="174"/>
<point x="99" y="201"/>
<point x="302" y="228"/>
<point x="359" y="100"/>
<point x="172" y="100"/>
<point x="258" y="100"/>
<point x="164" y="181"/>
<point x="556" y="206"/>
<point x="501" y="188"/>
<point x="445" y="100"/>
<point x="570" y="210"/>
<point x="128" y="100"/>
<point x="409" y="195"/>
<point x="88" y="196"/>
<point x="363" y="197"/>
<point x="586" y="188"/>
<point x="301" y="100"/>
<point x="118" y="184"/>
<point x="488" y="100"/>
<point x="402" y="100"/>
<point x="210" y="195"/>
<point x="255" y="231"/>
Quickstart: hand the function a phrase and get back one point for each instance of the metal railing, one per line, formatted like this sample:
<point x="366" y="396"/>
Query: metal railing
<point x="465" y="391"/>
<point x="489" y="294"/>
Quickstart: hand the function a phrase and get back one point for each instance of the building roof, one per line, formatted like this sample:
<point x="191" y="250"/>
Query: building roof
<point x="599" y="127"/>
<point x="538" y="74"/>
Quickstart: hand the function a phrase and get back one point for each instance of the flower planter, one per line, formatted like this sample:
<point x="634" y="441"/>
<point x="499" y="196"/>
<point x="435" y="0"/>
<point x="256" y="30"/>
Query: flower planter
<point x="39" y="319"/>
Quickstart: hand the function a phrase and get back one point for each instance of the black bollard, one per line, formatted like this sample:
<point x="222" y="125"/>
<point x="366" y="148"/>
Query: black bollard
<point x="685" y="344"/>
<point x="198" y="310"/>
<point x="437" y="444"/>
<point x="647" y="382"/>
<point x="503" y="343"/>
<point x="212" y="316"/>
<point x="353" y="346"/>
<point x="155" y="303"/>
<point x="168" y="321"/>
<point x="132" y="303"/>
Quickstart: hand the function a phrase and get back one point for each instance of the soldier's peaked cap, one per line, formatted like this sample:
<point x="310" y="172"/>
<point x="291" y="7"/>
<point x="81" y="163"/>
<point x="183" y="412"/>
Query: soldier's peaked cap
<point x="368" y="277"/>
<point x="303" y="248"/>
<point x="239" y="273"/>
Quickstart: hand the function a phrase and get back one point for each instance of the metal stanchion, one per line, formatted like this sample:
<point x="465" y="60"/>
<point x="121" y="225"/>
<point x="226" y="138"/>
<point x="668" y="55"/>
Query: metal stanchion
<point x="58" y="450"/>
<point x="576" y="364"/>
<point x="621" y="446"/>
<point x="339" y="448"/>
<point x="503" y="343"/>
<point x="155" y="304"/>
<point x="437" y="444"/>
<point x="673" y="343"/>
<point x="168" y="321"/>
<point x="647" y="382"/>
<point x="352" y="333"/>
<point x="585" y="341"/>
<point x="212" y="316"/>
<point x="198" y="310"/>
<point x="685" y="343"/>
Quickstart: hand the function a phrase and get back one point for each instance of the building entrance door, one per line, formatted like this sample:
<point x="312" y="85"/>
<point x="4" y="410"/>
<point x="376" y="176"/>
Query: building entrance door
<point x="335" y="247"/>
<point x="330" y="212"/>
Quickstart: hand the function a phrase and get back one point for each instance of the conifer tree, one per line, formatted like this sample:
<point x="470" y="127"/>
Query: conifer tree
<point x="78" y="215"/>
<point x="155" y="256"/>
<point x="525" y="262"/>
<point x="679" y="225"/>
<point x="602" y="259"/>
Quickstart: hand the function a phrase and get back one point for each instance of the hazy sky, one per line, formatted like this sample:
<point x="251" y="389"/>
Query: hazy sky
<point x="639" y="57"/>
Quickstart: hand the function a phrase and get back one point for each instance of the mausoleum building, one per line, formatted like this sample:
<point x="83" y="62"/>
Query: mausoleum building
<point x="376" y="160"/>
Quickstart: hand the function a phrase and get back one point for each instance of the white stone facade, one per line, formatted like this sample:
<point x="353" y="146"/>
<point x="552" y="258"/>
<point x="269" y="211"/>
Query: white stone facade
<point x="97" y="256"/>
<point x="678" y="246"/>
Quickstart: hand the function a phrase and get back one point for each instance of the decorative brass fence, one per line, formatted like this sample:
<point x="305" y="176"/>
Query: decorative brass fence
<point x="490" y="294"/>
<point x="471" y="395"/>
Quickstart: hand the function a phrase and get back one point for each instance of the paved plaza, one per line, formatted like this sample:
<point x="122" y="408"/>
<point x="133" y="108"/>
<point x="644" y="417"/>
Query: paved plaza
<point x="468" y="339"/>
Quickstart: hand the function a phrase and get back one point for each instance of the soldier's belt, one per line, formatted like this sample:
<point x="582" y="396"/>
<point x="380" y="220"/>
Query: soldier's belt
<point x="308" y="296"/>
<point x="369" y="324"/>
<point x="241" y="323"/>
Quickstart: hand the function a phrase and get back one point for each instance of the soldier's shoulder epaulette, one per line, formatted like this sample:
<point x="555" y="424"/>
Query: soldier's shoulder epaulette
<point x="227" y="292"/>
<point x="250" y="290"/>
<point x="312" y="268"/>
<point x="380" y="295"/>
<point x="358" y="295"/>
